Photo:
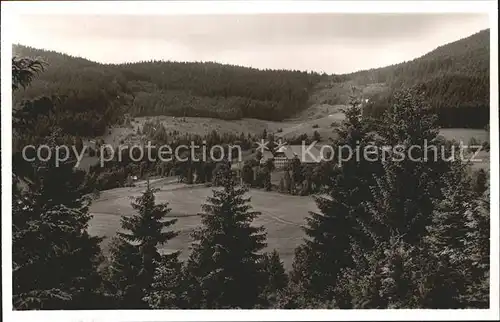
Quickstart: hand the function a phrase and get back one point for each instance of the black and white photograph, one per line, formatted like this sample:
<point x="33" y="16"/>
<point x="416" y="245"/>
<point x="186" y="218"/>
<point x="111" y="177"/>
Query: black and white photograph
<point x="216" y="161"/>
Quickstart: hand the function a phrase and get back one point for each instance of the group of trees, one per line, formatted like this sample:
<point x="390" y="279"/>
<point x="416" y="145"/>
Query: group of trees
<point x="199" y="167"/>
<point x="256" y="174"/>
<point x="452" y="112"/>
<point x="211" y="89"/>
<point x="93" y="96"/>
<point x="303" y="179"/>
<point x="89" y="96"/>
<point x="196" y="168"/>
<point x="396" y="234"/>
<point x="455" y="79"/>
<point x="388" y="234"/>
<point x="58" y="265"/>
<point x="54" y="259"/>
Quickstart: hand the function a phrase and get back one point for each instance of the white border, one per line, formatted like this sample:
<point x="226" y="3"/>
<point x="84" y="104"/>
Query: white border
<point x="11" y="9"/>
<point x="245" y="7"/>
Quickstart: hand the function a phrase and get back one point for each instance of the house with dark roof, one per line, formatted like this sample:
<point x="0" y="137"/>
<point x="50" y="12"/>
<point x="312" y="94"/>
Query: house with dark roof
<point x="285" y="154"/>
<point x="266" y="155"/>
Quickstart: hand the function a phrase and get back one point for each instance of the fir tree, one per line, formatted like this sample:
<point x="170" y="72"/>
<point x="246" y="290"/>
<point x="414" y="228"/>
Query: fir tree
<point x="222" y="169"/>
<point x="225" y="268"/>
<point x="446" y="242"/>
<point x="168" y="285"/>
<point x="55" y="260"/>
<point x="296" y="169"/>
<point x="247" y="173"/>
<point x="447" y="231"/>
<point x="477" y="250"/>
<point x="398" y="274"/>
<point x="135" y="256"/>
<point x="403" y="198"/>
<point x="480" y="181"/>
<point x="395" y="274"/>
<point x="331" y="232"/>
<point x="327" y="250"/>
<point x="416" y="215"/>
<point x="277" y="277"/>
<point x="358" y="286"/>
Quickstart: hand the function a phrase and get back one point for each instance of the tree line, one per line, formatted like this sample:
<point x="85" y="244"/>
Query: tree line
<point x="455" y="79"/>
<point x="393" y="234"/>
<point x="95" y="95"/>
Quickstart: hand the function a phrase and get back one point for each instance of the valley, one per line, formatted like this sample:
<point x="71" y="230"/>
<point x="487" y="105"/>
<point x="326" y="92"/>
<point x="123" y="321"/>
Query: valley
<point x="282" y="215"/>
<point x="195" y="99"/>
<point x="277" y="188"/>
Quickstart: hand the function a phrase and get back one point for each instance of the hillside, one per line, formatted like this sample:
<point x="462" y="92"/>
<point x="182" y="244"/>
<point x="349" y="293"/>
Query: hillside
<point x="468" y="56"/>
<point x="93" y="91"/>
<point x="454" y="78"/>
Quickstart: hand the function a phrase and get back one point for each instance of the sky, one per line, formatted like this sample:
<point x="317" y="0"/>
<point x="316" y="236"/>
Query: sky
<point x="331" y="43"/>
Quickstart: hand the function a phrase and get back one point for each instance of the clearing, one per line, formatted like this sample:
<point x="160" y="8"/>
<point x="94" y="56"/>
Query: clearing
<point x="282" y="215"/>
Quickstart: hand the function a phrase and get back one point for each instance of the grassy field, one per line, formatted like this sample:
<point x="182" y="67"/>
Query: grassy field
<point x="323" y="118"/>
<point x="465" y="135"/>
<point x="282" y="215"/>
<point x="482" y="159"/>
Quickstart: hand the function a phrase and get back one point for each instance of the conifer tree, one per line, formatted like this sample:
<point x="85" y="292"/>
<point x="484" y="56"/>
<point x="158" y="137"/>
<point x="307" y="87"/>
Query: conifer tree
<point x="225" y="267"/>
<point x="333" y="229"/>
<point x="446" y="241"/>
<point x="480" y="181"/>
<point x="358" y="286"/>
<point x="222" y="169"/>
<point x="277" y="278"/>
<point x="477" y="271"/>
<point x="266" y="178"/>
<point x="417" y="219"/>
<point x="135" y="256"/>
<point x="414" y="175"/>
<point x="296" y="169"/>
<point x="168" y="285"/>
<point x="247" y="173"/>
<point x="55" y="260"/>
<point x="448" y="228"/>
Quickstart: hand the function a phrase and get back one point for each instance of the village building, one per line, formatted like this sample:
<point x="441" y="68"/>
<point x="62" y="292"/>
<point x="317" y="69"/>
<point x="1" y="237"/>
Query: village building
<point x="283" y="155"/>
<point x="266" y="155"/>
<point x="280" y="158"/>
<point x="305" y="154"/>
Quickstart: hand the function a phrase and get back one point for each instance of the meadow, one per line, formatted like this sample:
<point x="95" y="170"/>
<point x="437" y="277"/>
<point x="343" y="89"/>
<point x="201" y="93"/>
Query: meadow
<point x="282" y="215"/>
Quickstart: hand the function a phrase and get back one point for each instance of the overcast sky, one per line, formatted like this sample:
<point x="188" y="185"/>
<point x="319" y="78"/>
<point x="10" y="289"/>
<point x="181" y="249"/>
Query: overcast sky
<point x="333" y="43"/>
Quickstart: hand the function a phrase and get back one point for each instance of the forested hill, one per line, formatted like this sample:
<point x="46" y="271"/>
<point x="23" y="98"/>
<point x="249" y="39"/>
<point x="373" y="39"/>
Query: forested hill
<point x="454" y="77"/>
<point x="95" y="95"/>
